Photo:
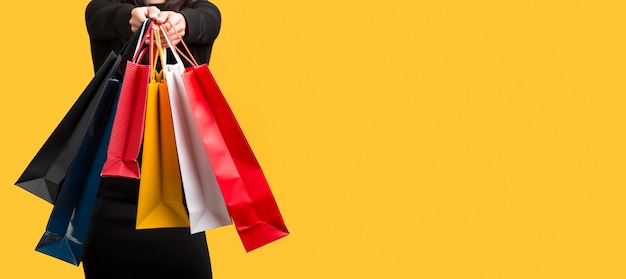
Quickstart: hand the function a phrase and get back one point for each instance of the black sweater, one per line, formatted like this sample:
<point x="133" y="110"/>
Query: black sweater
<point x="108" y="28"/>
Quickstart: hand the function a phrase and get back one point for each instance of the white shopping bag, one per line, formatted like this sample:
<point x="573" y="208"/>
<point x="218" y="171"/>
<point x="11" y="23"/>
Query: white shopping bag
<point x="205" y="203"/>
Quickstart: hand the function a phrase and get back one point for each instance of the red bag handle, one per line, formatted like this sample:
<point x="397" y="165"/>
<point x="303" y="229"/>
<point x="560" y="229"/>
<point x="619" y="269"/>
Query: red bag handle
<point x="139" y="50"/>
<point x="189" y="58"/>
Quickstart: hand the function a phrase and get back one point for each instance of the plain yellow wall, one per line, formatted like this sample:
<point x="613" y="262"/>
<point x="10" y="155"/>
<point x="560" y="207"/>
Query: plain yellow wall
<point x="401" y="139"/>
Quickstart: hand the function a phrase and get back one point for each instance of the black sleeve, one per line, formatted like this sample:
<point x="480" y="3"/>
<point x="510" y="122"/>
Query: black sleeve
<point x="203" y="22"/>
<point x="108" y="19"/>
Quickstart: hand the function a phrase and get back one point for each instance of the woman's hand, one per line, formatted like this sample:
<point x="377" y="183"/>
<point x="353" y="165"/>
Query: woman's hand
<point x="140" y="14"/>
<point x="174" y="24"/>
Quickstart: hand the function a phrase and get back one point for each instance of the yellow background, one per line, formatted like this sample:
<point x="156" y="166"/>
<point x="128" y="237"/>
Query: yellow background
<point x="401" y="139"/>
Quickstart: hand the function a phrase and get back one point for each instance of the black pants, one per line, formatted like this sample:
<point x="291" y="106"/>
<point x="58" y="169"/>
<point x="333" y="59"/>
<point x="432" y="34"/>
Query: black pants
<point x="115" y="249"/>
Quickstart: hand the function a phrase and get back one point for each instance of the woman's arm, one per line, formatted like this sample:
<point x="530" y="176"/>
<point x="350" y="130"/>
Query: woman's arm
<point x="203" y="23"/>
<point x="108" y="19"/>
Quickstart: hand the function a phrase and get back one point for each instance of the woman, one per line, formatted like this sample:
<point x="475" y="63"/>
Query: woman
<point x="111" y="23"/>
<point x="115" y="249"/>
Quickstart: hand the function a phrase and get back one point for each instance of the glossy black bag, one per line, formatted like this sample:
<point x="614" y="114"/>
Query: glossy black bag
<point x="69" y="222"/>
<point x="47" y="170"/>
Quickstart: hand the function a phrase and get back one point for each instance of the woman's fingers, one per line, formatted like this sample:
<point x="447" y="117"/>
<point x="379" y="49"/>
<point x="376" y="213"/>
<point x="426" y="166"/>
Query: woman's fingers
<point x="137" y="17"/>
<point x="140" y="14"/>
<point x="152" y="12"/>
<point x="174" y="25"/>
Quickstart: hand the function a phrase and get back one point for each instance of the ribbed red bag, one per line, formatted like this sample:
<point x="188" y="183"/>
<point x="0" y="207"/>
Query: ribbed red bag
<point x="248" y="196"/>
<point x="128" y="125"/>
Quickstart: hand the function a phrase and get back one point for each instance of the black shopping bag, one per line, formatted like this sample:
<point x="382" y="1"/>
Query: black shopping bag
<point x="69" y="223"/>
<point x="48" y="169"/>
<point x="46" y="172"/>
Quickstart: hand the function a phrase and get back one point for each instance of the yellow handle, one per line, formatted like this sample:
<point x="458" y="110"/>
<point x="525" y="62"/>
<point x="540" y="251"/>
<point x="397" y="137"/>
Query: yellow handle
<point x="159" y="54"/>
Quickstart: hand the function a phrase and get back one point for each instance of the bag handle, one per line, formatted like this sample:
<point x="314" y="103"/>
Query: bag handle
<point x="146" y="28"/>
<point x="159" y="54"/>
<point x="162" y="51"/>
<point x="174" y="50"/>
<point x="132" y="46"/>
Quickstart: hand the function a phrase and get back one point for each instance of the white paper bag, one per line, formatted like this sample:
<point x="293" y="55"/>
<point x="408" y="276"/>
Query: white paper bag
<point x="205" y="203"/>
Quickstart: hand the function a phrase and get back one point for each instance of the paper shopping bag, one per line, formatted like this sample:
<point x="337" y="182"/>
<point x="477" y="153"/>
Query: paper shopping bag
<point x="48" y="169"/>
<point x="127" y="134"/>
<point x="160" y="203"/>
<point x="69" y="222"/>
<point x="204" y="200"/>
<point x="244" y="186"/>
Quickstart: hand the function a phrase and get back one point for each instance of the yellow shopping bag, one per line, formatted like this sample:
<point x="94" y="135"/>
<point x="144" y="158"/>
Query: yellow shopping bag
<point x="160" y="203"/>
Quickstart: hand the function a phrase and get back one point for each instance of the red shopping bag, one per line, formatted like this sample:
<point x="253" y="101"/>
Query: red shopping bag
<point x="244" y="186"/>
<point x="128" y="126"/>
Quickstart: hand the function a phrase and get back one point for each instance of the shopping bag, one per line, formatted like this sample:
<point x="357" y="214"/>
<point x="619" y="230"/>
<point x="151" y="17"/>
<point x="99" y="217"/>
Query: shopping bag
<point x="160" y="203"/>
<point x="204" y="200"/>
<point x="69" y="222"/>
<point x="245" y="189"/>
<point x="48" y="169"/>
<point x="127" y="135"/>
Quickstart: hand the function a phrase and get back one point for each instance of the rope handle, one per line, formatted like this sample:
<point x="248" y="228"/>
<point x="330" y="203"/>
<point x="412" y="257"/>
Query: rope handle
<point x="138" y="54"/>
<point x="174" y="50"/>
<point x="189" y="58"/>
<point x="160" y="51"/>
